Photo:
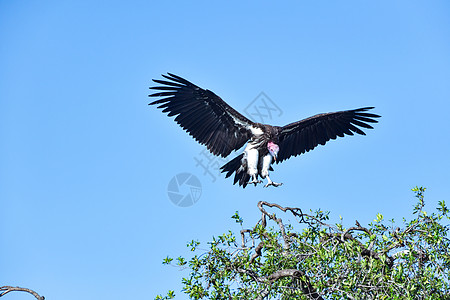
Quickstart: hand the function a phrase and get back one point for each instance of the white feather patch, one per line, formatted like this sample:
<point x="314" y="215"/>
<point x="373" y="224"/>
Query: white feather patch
<point x="254" y="130"/>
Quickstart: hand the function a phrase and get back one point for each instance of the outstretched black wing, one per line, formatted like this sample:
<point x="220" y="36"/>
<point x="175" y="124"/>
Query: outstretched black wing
<point x="300" y="137"/>
<point x="203" y="114"/>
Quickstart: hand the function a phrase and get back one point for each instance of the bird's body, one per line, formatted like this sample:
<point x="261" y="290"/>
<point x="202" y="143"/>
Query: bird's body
<point x="212" y="122"/>
<point x="256" y="160"/>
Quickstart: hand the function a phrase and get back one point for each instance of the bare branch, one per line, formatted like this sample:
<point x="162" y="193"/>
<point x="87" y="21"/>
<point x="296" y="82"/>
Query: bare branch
<point x="306" y="286"/>
<point x="297" y="212"/>
<point x="243" y="232"/>
<point x="257" y="252"/>
<point x="6" y="289"/>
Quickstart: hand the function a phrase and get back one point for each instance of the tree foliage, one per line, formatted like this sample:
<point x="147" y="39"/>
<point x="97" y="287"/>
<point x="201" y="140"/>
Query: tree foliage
<point x="311" y="259"/>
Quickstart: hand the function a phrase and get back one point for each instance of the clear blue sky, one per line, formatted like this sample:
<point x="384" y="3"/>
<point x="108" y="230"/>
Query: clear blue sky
<point x="85" y="163"/>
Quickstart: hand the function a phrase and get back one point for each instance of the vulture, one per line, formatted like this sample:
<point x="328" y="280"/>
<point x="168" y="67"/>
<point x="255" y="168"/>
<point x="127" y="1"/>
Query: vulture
<point x="215" y="124"/>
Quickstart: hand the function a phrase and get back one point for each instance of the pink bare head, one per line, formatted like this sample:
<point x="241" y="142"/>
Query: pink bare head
<point x="273" y="149"/>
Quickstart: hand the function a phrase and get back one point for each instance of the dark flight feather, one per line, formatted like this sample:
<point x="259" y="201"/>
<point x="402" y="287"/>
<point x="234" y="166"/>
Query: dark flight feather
<point x="302" y="136"/>
<point x="203" y="114"/>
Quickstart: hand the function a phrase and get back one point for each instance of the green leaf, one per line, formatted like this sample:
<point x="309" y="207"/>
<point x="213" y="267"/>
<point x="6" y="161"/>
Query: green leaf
<point x="237" y="218"/>
<point x="167" y="260"/>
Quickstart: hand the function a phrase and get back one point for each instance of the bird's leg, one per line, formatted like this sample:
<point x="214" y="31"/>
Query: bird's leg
<point x="255" y="180"/>
<point x="270" y="182"/>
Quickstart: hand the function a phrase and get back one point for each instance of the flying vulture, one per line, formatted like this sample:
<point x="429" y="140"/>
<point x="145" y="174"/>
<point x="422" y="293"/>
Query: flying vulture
<point x="215" y="124"/>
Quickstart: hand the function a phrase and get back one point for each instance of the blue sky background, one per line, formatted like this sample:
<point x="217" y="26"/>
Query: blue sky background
<point x="85" y="163"/>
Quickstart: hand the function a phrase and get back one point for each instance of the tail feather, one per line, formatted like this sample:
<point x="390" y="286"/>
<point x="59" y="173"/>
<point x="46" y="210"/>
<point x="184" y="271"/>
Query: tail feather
<point x="240" y="167"/>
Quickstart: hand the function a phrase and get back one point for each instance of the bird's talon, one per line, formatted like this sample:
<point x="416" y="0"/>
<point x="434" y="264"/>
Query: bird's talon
<point x="255" y="182"/>
<point x="275" y="184"/>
